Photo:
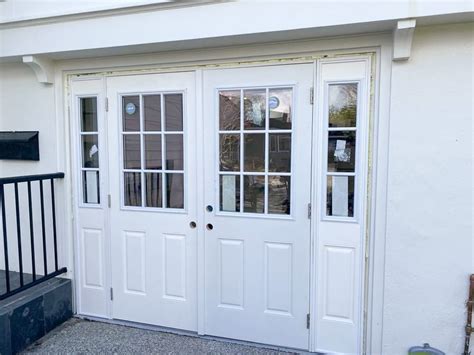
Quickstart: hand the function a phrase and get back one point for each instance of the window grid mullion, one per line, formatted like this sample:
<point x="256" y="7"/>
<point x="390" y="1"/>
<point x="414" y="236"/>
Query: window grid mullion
<point x="241" y="176"/>
<point x="142" y="149"/>
<point x="163" y="155"/>
<point x="267" y="125"/>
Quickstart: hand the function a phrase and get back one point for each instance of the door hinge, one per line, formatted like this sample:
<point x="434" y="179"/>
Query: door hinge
<point x="111" y="294"/>
<point x="311" y="95"/>
<point x="309" y="210"/>
<point x="109" y="201"/>
<point x="308" y="321"/>
<point x="106" y="104"/>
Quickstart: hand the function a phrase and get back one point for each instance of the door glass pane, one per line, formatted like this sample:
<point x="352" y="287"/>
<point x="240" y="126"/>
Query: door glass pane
<point x="90" y="182"/>
<point x="229" y="152"/>
<point x="152" y="112"/>
<point x="153" y="190"/>
<point x="131" y="151"/>
<point x="153" y="151"/>
<point x="340" y="196"/>
<point x="342" y="105"/>
<point x="229" y="193"/>
<point x="90" y="151"/>
<point x="174" y="152"/>
<point x="341" y="151"/>
<point x="280" y="152"/>
<point x="174" y="112"/>
<point x="132" y="189"/>
<point x="174" y="191"/>
<point x="279" y="194"/>
<point x="279" y="107"/>
<point x="89" y="114"/>
<point x="254" y="152"/>
<point x="229" y="110"/>
<point x="254" y="194"/>
<point x="254" y="109"/>
<point x="131" y="113"/>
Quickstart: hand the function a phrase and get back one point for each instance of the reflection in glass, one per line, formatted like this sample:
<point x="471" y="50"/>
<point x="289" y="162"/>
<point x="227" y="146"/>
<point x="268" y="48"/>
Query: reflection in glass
<point x="131" y="151"/>
<point x="153" y="190"/>
<point x="174" y="112"/>
<point x="341" y="151"/>
<point x="342" y="105"/>
<point x="340" y="196"/>
<point x="131" y="113"/>
<point x="279" y="105"/>
<point x="89" y="114"/>
<point x="279" y="194"/>
<point x="152" y="151"/>
<point x="174" y="151"/>
<point x="254" y="152"/>
<point x="254" y="109"/>
<point x="90" y="151"/>
<point x="229" y="152"/>
<point x="90" y="183"/>
<point x="174" y="191"/>
<point x="229" y="193"/>
<point x="152" y="112"/>
<point x="254" y="194"/>
<point x="229" y="110"/>
<point x="280" y="152"/>
<point x="132" y="189"/>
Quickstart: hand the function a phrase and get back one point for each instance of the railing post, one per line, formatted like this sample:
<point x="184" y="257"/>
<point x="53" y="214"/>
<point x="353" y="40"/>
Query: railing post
<point x="53" y="206"/>
<point x="43" y="228"/>
<point x="32" y="233"/>
<point x="18" y="233"/>
<point x="5" y="237"/>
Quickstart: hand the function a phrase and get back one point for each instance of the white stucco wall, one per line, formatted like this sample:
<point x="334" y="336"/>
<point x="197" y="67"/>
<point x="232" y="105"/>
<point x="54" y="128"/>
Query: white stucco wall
<point x="429" y="218"/>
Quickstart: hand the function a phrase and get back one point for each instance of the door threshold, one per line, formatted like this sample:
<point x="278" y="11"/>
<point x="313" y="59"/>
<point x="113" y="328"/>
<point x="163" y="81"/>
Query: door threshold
<point x="158" y="328"/>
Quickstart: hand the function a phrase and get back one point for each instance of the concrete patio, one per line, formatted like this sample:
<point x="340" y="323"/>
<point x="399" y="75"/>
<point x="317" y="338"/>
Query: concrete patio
<point x="89" y="337"/>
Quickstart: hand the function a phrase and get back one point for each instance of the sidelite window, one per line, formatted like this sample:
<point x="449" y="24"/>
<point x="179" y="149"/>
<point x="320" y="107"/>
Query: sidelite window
<point x="152" y="150"/>
<point x="89" y="136"/>
<point x="255" y="131"/>
<point x="341" y="157"/>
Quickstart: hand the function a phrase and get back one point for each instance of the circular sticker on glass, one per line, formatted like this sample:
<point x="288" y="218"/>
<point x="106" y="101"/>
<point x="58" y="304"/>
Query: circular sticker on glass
<point x="273" y="102"/>
<point x="130" y="108"/>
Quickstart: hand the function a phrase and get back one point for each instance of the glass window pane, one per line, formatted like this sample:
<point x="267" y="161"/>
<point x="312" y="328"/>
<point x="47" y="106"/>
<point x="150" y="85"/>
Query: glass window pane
<point x="90" y="183"/>
<point x="153" y="190"/>
<point x="152" y="112"/>
<point x="279" y="194"/>
<point x="342" y="105"/>
<point x="340" y="196"/>
<point x="254" y="194"/>
<point x="280" y="152"/>
<point x="174" y="191"/>
<point x="229" y="110"/>
<point x="153" y="151"/>
<point x="229" y="152"/>
<point x="89" y="114"/>
<point x="131" y="151"/>
<point x="131" y="113"/>
<point x="90" y="151"/>
<point x="230" y="193"/>
<point x="341" y="151"/>
<point x="174" y="112"/>
<point x="254" y="152"/>
<point x="132" y="189"/>
<point x="174" y="151"/>
<point x="254" y="109"/>
<point x="279" y="106"/>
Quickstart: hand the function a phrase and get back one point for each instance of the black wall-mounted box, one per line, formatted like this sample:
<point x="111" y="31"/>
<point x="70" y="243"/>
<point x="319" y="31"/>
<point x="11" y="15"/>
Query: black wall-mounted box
<point x="19" y="145"/>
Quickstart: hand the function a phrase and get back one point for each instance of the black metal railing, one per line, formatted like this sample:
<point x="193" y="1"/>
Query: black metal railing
<point x="27" y="280"/>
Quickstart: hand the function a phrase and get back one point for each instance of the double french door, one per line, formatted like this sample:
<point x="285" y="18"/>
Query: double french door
<point x="194" y="201"/>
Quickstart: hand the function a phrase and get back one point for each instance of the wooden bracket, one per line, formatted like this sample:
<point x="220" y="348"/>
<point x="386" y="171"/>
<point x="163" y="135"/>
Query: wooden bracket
<point x="402" y="39"/>
<point x="42" y="67"/>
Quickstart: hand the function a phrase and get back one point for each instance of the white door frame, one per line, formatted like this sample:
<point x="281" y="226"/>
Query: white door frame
<point x="373" y="298"/>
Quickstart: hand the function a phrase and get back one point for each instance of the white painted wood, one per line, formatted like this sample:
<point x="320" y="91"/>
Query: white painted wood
<point x="402" y="39"/>
<point x="153" y="250"/>
<point x="340" y="241"/>
<point x="43" y="68"/>
<point x="257" y="266"/>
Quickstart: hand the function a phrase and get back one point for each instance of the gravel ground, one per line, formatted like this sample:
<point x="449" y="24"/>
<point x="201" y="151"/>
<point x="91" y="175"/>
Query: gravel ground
<point x="78" y="336"/>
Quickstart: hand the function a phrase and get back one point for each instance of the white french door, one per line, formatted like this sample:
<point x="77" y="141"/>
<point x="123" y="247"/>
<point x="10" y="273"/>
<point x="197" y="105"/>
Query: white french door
<point x="257" y="134"/>
<point x="151" y="134"/>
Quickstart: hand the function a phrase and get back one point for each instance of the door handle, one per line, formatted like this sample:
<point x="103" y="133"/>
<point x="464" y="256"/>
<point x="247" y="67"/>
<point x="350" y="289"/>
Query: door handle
<point x="192" y="224"/>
